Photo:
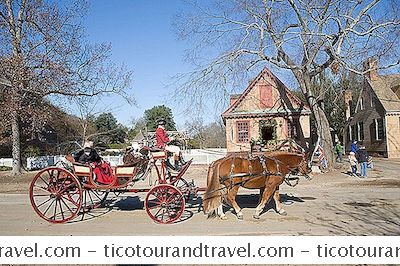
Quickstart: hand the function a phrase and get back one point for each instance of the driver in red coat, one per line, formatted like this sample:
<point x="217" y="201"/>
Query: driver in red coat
<point x="162" y="141"/>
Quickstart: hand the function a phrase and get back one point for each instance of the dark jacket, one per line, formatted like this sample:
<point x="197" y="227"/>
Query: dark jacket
<point x="362" y="156"/>
<point x="87" y="155"/>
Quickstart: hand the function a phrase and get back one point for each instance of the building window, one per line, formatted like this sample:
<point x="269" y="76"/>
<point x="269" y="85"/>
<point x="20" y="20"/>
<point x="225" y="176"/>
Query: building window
<point x="293" y="130"/>
<point x="379" y="131"/>
<point x="360" y="131"/>
<point x="361" y="103"/>
<point x="353" y="132"/>
<point x="243" y="131"/>
<point x="372" y="101"/>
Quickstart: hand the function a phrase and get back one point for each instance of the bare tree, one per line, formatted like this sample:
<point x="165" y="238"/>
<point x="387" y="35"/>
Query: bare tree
<point x="43" y="53"/>
<point x="305" y="37"/>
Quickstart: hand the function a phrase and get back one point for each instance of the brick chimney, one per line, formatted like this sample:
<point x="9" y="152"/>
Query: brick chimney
<point x="348" y="96"/>
<point x="371" y="65"/>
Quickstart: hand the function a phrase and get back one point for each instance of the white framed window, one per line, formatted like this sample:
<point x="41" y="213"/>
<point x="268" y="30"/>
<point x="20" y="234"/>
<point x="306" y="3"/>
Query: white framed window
<point x="360" y="131"/>
<point x="379" y="130"/>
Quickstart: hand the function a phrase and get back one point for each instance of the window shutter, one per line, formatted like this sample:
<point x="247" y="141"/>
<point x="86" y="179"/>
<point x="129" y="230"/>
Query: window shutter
<point x="266" y="100"/>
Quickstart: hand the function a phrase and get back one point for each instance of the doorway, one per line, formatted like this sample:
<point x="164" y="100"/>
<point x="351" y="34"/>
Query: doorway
<point x="267" y="133"/>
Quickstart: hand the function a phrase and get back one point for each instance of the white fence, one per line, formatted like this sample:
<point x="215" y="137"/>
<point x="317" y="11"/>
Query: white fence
<point x="36" y="163"/>
<point x="6" y="162"/>
<point x="199" y="156"/>
<point x="204" y="156"/>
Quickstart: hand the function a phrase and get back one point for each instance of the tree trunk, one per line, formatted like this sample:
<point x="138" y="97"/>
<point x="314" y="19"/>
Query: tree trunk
<point x="324" y="133"/>
<point x="321" y="121"/>
<point x="16" y="144"/>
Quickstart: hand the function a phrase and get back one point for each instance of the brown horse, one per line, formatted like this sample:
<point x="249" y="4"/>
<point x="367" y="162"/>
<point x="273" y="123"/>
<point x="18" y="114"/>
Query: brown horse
<point x="265" y="172"/>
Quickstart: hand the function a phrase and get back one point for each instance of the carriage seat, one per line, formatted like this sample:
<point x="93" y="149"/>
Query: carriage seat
<point x="83" y="170"/>
<point x="157" y="153"/>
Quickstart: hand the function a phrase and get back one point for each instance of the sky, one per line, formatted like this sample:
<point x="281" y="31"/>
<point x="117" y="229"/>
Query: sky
<point x="142" y="38"/>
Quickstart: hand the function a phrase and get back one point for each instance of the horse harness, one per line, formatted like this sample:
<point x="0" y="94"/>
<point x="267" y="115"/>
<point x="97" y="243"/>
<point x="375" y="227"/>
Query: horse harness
<point x="262" y="159"/>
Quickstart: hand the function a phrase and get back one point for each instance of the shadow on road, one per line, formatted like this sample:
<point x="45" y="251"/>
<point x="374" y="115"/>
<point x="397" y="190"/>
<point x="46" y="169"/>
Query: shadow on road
<point x="378" y="217"/>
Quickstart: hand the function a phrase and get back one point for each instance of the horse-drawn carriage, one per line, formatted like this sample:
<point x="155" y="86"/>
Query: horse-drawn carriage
<point x="60" y="194"/>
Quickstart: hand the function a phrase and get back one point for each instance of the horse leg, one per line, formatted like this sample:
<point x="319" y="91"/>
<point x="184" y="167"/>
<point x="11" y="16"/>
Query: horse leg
<point x="270" y="188"/>
<point x="261" y="193"/>
<point x="221" y="214"/>
<point x="278" y="204"/>
<point x="232" y="200"/>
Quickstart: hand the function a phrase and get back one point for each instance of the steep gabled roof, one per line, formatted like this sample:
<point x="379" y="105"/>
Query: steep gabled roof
<point x="382" y="87"/>
<point x="279" y="84"/>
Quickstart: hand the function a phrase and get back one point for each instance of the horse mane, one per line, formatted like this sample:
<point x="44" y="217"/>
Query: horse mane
<point x="214" y="193"/>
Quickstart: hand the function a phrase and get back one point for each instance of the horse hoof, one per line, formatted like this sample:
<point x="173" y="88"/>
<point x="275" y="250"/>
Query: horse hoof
<point x="223" y="218"/>
<point x="282" y="212"/>
<point x="256" y="216"/>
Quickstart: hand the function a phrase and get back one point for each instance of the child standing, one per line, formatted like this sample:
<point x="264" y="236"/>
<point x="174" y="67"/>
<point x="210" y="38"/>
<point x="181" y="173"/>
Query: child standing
<point x="353" y="163"/>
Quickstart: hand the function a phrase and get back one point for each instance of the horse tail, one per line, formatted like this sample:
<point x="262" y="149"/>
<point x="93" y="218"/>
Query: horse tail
<point x="213" y="196"/>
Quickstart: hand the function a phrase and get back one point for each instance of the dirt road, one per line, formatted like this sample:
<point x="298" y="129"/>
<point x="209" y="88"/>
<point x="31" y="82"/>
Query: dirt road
<point x="330" y="204"/>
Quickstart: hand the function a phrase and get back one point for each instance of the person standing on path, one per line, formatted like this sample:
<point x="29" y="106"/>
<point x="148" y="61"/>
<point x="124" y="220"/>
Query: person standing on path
<point x="339" y="151"/>
<point x="353" y="163"/>
<point x="362" y="158"/>
<point x="354" y="147"/>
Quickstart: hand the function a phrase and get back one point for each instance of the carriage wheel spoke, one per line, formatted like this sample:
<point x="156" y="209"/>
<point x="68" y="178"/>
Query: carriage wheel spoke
<point x="62" y="212"/>
<point x="63" y="182"/>
<point x="47" y="184"/>
<point x="62" y="200"/>
<point x="55" y="211"/>
<point x="41" y="195"/>
<point x="44" y="214"/>
<point x="156" y="214"/>
<point x="171" y="198"/>
<point x="42" y="188"/>
<point x="157" y="205"/>
<point x="65" y="188"/>
<point x="44" y="202"/>
<point x="71" y="200"/>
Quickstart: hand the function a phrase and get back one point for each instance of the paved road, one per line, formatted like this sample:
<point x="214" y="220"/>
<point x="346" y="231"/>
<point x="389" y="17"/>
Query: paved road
<point x="330" y="204"/>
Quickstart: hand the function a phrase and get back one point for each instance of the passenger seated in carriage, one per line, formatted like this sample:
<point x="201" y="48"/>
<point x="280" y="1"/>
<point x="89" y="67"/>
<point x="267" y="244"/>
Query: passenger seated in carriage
<point x="87" y="155"/>
<point x="162" y="141"/>
<point x="102" y="170"/>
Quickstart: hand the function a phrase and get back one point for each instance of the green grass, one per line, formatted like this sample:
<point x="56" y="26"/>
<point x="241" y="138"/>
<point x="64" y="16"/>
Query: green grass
<point x="5" y="168"/>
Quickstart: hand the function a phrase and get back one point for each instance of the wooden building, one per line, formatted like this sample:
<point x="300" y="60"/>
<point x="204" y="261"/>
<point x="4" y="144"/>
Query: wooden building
<point x="266" y="113"/>
<point x="376" y="121"/>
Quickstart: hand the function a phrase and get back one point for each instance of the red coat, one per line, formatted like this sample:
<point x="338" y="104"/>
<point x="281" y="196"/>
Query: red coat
<point x="161" y="137"/>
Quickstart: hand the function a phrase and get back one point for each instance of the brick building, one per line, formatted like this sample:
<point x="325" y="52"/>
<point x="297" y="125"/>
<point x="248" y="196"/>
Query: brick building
<point x="376" y="121"/>
<point x="266" y="112"/>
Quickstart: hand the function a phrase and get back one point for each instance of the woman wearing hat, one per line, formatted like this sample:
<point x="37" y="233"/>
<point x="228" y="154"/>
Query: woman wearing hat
<point x="162" y="141"/>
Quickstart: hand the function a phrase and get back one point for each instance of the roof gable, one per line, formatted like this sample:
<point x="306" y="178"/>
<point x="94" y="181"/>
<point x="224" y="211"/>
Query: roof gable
<point x="250" y="100"/>
<point x="382" y="87"/>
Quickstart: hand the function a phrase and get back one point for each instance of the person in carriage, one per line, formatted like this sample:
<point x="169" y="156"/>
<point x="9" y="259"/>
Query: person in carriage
<point x="162" y="142"/>
<point x="87" y="155"/>
<point x="101" y="169"/>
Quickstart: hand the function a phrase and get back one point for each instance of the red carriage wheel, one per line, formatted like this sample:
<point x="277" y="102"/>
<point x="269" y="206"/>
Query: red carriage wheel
<point x="56" y="195"/>
<point x="164" y="204"/>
